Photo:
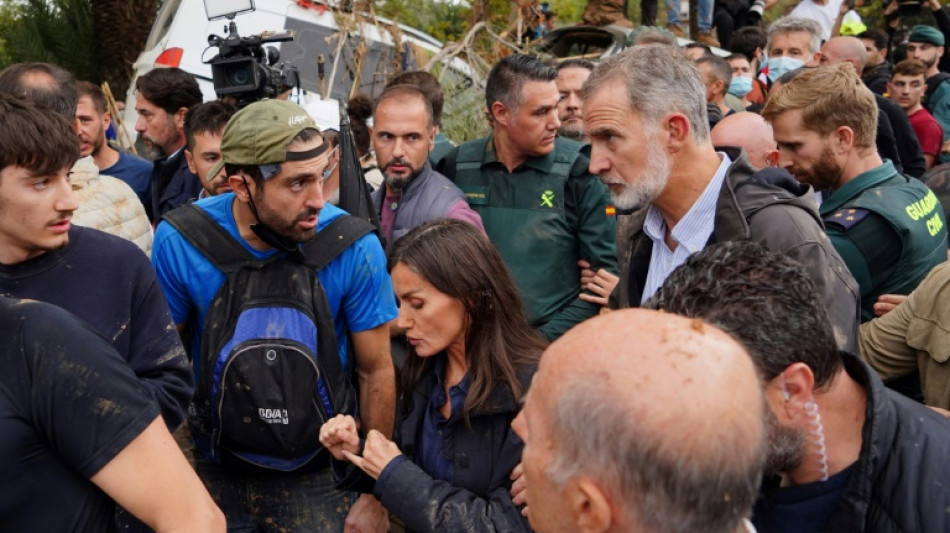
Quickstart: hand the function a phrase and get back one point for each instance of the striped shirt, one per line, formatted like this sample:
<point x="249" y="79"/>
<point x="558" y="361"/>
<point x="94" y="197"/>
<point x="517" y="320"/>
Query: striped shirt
<point x="691" y="233"/>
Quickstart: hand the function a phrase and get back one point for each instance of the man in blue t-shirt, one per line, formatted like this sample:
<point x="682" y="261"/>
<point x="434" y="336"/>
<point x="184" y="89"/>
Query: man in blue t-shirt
<point x="274" y="157"/>
<point x="92" y="120"/>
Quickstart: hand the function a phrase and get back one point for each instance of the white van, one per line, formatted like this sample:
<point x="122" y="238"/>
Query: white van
<point x="179" y="38"/>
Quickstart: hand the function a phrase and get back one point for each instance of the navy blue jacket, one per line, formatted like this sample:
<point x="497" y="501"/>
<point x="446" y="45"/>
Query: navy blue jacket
<point x="172" y="185"/>
<point x="483" y="456"/>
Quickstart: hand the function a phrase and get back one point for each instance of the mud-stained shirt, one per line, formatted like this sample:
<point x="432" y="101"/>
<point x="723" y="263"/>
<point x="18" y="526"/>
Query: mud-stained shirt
<point x="68" y="405"/>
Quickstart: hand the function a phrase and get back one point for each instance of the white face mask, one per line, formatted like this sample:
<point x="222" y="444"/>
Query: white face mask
<point x="780" y="65"/>
<point x="329" y="170"/>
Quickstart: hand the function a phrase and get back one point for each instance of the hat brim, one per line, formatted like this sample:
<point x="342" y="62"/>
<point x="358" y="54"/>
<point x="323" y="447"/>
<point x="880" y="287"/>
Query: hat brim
<point x="214" y="170"/>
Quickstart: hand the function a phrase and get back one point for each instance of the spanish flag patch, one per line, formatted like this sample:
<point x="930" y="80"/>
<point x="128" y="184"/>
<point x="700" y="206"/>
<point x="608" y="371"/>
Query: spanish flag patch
<point x="611" y="211"/>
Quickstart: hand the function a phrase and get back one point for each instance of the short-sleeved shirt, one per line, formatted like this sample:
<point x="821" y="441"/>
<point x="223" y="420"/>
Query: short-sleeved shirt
<point x="135" y="171"/>
<point x="68" y="405"/>
<point x="356" y="282"/>
<point x="928" y="130"/>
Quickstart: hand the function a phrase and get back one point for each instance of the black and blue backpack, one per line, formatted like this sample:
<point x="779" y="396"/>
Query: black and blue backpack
<point x="269" y="373"/>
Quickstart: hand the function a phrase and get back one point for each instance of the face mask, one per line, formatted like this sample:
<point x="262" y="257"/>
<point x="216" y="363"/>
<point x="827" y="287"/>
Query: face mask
<point x="329" y="170"/>
<point x="781" y="65"/>
<point x="740" y="86"/>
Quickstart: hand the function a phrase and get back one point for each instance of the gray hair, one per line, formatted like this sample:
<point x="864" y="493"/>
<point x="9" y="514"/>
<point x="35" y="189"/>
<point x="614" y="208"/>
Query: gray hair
<point x="660" y="80"/>
<point x="669" y="489"/>
<point x="793" y="24"/>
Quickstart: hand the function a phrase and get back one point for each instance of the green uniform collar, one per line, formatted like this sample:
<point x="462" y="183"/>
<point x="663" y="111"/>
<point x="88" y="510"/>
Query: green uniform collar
<point x="861" y="182"/>
<point x="542" y="164"/>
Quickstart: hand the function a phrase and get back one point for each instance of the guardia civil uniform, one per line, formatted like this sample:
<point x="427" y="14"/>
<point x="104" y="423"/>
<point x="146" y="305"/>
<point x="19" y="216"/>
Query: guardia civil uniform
<point x="542" y="217"/>
<point x="889" y="229"/>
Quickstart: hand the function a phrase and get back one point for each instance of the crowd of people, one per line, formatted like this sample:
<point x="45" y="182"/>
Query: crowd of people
<point x="669" y="292"/>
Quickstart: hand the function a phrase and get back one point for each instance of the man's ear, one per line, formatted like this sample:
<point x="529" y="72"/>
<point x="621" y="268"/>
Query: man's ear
<point x="796" y="386"/>
<point x="501" y="113"/>
<point x="241" y="185"/>
<point x="590" y="506"/>
<point x="106" y="120"/>
<point x="179" y="118"/>
<point x="842" y="139"/>
<point x="190" y="159"/>
<point x="678" y="128"/>
<point x="719" y="87"/>
<point x="814" y="61"/>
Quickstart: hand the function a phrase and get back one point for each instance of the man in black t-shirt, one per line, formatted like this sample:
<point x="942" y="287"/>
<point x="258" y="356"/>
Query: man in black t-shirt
<point x="71" y="413"/>
<point x="104" y="280"/>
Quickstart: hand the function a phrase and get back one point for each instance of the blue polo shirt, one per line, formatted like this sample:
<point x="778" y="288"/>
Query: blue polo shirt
<point x="356" y="282"/>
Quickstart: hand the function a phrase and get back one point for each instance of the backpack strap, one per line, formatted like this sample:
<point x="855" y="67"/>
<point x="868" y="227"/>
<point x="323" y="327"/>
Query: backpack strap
<point x="333" y="239"/>
<point x="209" y="238"/>
<point x="938" y="80"/>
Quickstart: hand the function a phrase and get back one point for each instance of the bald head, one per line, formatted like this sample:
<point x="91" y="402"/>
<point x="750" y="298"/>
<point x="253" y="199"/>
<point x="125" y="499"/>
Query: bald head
<point x="750" y="132"/>
<point x="626" y="416"/>
<point x="845" y="50"/>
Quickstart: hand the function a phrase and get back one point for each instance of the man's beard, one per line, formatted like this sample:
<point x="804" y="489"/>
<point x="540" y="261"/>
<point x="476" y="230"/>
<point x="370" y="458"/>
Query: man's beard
<point x="153" y="150"/>
<point x="825" y="174"/>
<point x="786" y="447"/>
<point x="570" y="133"/>
<point x="285" y="228"/>
<point x="399" y="183"/>
<point x="647" y="184"/>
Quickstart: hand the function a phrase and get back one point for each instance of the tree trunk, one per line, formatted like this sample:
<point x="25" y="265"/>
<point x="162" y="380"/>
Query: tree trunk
<point x="122" y="27"/>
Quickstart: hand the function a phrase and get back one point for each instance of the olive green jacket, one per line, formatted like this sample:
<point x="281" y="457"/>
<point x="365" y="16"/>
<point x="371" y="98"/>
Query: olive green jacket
<point x="915" y="336"/>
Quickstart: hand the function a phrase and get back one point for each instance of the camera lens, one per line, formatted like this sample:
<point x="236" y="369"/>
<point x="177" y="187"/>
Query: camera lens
<point x="240" y="76"/>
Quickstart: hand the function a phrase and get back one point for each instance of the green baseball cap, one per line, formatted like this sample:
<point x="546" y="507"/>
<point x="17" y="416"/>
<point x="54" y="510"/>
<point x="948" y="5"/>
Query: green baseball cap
<point x="260" y="133"/>
<point x="926" y="34"/>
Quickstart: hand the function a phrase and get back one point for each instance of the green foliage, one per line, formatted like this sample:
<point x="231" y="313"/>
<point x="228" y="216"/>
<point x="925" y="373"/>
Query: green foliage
<point x="54" y="31"/>
<point x="567" y="11"/>
<point x="446" y="21"/>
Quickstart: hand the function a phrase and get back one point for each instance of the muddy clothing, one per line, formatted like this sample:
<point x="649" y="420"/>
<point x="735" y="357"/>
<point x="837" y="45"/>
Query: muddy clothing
<point x="899" y="482"/>
<point x="889" y="229"/>
<point x="356" y="283"/>
<point x="68" y="405"/>
<point x="171" y="185"/>
<point x="543" y="217"/>
<point x="108" y="282"/>
<point x="361" y="297"/>
<point x="915" y="336"/>
<point x="481" y="457"/>
<point x="772" y="208"/>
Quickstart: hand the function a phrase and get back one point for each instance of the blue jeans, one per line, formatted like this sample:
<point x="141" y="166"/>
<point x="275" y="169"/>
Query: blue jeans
<point x="278" y="503"/>
<point x="705" y="13"/>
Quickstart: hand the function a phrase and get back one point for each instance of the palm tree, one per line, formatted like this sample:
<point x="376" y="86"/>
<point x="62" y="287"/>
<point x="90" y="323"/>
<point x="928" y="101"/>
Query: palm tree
<point x="121" y="28"/>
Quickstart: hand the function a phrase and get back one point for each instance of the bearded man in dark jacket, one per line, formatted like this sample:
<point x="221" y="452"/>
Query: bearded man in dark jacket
<point x="845" y="454"/>
<point x="645" y="114"/>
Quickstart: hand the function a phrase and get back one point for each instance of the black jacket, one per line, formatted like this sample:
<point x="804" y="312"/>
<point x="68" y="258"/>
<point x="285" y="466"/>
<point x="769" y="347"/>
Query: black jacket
<point x="772" y="208"/>
<point x="908" y="149"/>
<point x="483" y="457"/>
<point x="876" y="78"/>
<point x="172" y="185"/>
<point x="900" y="481"/>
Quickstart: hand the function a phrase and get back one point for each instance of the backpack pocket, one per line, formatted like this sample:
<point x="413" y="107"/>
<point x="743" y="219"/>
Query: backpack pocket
<point x="268" y="395"/>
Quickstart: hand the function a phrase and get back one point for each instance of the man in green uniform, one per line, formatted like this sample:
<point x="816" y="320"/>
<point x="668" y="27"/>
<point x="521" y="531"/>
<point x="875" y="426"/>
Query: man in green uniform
<point x="540" y="206"/>
<point x="888" y="228"/>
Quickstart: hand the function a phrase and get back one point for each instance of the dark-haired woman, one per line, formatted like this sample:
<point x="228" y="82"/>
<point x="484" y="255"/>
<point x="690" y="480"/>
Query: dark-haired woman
<point x="472" y="355"/>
